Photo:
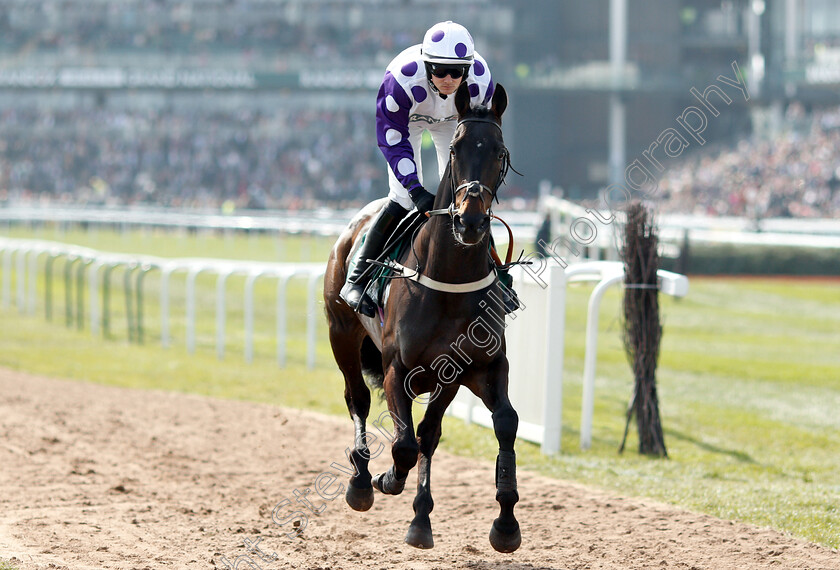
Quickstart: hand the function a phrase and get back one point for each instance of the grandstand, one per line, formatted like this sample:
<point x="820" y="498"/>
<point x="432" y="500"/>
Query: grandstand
<point x="794" y="174"/>
<point x="269" y="103"/>
<point x="185" y="157"/>
<point x="265" y="104"/>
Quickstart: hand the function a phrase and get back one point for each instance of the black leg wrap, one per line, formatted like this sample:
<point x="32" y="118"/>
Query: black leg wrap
<point x="388" y="482"/>
<point x="506" y="472"/>
<point x="504" y="534"/>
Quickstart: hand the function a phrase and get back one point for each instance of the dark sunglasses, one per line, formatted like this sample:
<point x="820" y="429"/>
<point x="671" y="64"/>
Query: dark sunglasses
<point x="441" y="71"/>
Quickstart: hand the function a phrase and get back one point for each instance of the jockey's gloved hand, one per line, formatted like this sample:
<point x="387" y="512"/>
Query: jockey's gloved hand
<point x="421" y="198"/>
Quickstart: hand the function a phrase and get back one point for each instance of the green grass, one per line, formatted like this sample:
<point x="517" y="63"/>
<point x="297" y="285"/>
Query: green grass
<point x="6" y="565"/>
<point x="748" y="381"/>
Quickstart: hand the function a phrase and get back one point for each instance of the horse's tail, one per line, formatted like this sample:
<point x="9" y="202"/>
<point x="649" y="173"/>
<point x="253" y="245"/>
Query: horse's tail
<point x="372" y="364"/>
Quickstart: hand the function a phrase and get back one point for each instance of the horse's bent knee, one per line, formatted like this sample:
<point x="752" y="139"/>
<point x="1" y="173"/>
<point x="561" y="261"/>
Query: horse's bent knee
<point x="505" y="424"/>
<point x="405" y="455"/>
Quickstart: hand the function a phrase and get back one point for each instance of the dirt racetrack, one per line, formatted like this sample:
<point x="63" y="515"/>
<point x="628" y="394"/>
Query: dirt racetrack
<point x="95" y="477"/>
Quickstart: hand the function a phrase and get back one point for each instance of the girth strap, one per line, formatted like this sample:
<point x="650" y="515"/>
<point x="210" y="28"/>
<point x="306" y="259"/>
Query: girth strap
<point x="440" y="285"/>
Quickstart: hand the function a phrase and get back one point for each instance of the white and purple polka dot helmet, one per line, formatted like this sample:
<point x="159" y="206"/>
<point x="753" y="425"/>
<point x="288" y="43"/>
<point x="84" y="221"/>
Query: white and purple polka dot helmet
<point x="448" y="42"/>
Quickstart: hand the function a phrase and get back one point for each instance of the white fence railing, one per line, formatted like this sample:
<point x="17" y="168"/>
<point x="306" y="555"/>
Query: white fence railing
<point x="535" y="349"/>
<point x="535" y="336"/>
<point x="570" y="222"/>
<point x="822" y="233"/>
<point x="19" y="259"/>
<point x="326" y="222"/>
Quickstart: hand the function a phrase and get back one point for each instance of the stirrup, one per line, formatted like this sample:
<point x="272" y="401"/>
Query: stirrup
<point x="354" y="295"/>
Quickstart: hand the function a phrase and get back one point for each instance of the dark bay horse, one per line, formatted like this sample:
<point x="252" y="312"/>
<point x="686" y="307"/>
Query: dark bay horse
<point x="442" y="328"/>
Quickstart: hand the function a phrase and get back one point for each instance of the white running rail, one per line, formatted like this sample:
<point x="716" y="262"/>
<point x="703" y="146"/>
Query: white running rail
<point x="535" y="349"/>
<point x="26" y="253"/>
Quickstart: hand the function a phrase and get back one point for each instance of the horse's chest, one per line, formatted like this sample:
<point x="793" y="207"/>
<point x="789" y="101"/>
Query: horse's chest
<point x="459" y="342"/>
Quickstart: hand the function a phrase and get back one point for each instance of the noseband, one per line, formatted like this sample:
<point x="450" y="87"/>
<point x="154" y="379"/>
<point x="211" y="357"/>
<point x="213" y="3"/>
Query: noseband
<point x="475" y="187"/>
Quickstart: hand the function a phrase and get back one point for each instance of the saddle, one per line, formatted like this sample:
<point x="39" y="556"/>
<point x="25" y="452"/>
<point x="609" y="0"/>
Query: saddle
<point x="387" y="266"/>
<point x="394" y="249"/>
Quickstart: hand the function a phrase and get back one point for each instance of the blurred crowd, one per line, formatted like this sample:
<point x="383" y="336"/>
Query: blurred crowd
<point x="793" y="174"/>
<point x="198" y="158"/>
<point x="251" y="31"/>
<point x="282" y="158"/>
<point x="287" y="158"/>
<point x="293" y="159"/>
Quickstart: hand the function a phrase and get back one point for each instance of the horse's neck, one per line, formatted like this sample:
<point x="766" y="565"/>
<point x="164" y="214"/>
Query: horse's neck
<point x="444" y="259"/>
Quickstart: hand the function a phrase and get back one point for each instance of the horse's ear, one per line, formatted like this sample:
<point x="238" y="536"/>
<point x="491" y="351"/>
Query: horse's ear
<point x="500" y="101"/>
<point x="462" y="99"/>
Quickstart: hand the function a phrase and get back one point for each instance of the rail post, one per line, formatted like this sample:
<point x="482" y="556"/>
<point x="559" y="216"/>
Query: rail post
<point x="138" y="289"/>
<point x="282" y="284"/>
<point x="70" y="261"/>
<point x="80" y="292"/>
<point x="106" y="299"/>
<point x="221" y="311"/>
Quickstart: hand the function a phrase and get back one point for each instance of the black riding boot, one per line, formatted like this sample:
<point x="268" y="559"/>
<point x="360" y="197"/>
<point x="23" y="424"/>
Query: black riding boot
<point x="383" y="226"/>
<point x="509" y="297"/>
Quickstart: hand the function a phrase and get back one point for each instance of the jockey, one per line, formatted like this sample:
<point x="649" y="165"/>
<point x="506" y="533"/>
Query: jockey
<point x="416" y="95"/>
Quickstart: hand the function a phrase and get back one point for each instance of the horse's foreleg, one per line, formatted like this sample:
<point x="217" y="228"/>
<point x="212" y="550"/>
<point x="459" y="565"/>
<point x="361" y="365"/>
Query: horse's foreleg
<point x="404" y="448"/>
<point x="505" y="535"/>
<point x="428" y="436"/>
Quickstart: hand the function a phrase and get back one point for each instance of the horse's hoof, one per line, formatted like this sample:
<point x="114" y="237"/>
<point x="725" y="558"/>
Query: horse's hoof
<point x="420" y="537"/>
<point x="505" y="542"/>
<point x="359" y="499"/>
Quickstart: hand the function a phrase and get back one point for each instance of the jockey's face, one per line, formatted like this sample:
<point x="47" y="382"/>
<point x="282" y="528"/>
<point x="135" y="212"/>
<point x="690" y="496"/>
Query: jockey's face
<point x="446" y="85"/>
<point x="446" y="78"/>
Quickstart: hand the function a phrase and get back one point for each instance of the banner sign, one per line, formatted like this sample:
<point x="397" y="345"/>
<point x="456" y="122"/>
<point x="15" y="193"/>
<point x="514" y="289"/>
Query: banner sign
<point x="825" y="69"/>
<point x="204" y="78"/>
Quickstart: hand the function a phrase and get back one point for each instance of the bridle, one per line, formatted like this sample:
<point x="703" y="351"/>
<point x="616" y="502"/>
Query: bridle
<point x="474" y="187"/>
<point x="474" y="190"/>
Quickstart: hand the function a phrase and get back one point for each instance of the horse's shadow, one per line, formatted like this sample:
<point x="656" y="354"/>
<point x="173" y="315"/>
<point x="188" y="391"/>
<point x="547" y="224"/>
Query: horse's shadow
<point x="487" y="565"/>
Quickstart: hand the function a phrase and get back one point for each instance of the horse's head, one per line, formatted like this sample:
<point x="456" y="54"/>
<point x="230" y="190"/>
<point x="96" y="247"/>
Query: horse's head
<point x="478" y="163"/>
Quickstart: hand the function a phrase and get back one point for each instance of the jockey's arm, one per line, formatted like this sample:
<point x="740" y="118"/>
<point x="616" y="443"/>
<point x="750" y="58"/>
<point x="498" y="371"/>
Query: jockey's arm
<point x="393" y="105"/>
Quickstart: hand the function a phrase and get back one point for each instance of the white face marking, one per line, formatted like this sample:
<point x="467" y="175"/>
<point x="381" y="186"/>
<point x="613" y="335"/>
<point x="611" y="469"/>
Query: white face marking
<point x="479" y="145"/>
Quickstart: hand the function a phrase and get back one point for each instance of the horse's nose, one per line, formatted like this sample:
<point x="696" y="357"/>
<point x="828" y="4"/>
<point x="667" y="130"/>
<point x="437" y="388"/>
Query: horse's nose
<point x="472" y="222"/>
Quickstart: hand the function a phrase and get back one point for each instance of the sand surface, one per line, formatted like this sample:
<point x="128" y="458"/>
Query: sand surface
<point x="95" y="477"/>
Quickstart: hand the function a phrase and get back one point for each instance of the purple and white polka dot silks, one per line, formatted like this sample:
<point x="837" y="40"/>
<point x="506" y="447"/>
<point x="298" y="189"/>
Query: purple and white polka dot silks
<point x="406" y="106"/>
